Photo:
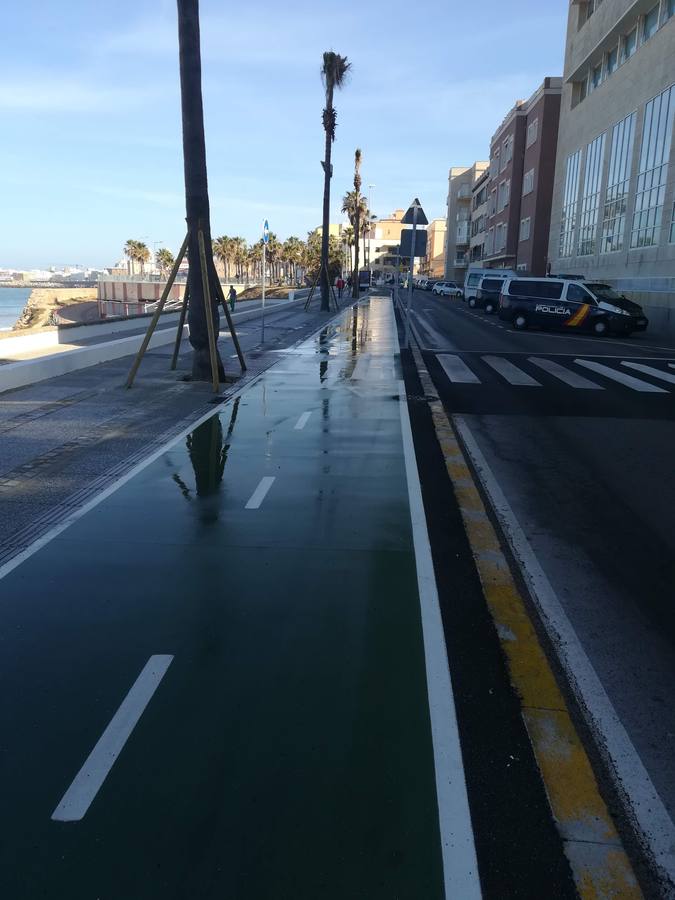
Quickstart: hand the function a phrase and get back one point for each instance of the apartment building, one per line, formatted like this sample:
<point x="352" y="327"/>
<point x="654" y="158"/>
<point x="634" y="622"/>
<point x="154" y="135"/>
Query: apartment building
<point x="461" y="180"/>
<point x="434" y="264"/>
<point x="520" y="188"/>
<point x="613" y="215"/>
<point x="480" y="194"/>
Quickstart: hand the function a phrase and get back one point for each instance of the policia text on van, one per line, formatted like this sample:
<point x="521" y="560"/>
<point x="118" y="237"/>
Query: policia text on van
<point x="569" y="305"/>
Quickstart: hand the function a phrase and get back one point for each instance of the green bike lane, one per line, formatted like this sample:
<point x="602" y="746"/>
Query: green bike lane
<point x="270" y="570"/>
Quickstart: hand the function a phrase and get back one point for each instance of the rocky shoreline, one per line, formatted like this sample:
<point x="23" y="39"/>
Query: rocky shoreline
<point x="51" y="306"/>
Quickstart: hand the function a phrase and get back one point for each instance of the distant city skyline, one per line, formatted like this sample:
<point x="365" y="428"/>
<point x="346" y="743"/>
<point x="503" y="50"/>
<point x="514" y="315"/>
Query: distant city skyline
<point x="93" y="156"/>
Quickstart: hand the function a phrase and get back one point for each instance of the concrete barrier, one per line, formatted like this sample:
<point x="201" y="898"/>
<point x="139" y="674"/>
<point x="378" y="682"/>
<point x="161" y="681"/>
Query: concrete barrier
<point x="29" y="371"/>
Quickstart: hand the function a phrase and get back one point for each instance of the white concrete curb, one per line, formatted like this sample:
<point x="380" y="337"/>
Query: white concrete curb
<point x="29" y="371"/>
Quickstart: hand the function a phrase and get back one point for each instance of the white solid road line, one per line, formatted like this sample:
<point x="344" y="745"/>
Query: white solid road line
<point x="567" y="375"/>
<point x="650" y="370"/>
<point x="511" y="373"/>
<point x="656" y="828"/>
<point x="302" y="421"/>
<point x="260" y="492"/>
<point x="79" y="796"/>
<point x="634" y="384"/>
<point x="460" y="866"/>
<point x="456" y="369"/>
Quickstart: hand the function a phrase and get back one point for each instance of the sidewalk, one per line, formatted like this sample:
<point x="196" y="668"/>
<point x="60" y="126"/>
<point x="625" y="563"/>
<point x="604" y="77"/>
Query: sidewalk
<point x="259" y="597"/>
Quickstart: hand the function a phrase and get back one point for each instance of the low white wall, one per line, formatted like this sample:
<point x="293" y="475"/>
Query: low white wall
<point x="24" y="343"/>
<point x="30" y="371"/>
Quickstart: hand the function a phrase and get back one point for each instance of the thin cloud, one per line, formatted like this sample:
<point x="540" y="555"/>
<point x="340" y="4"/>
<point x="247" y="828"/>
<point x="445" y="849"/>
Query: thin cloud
<point x="45" y="93"/>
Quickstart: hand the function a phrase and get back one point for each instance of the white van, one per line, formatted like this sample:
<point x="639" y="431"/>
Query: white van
<point x="473" y="277"/>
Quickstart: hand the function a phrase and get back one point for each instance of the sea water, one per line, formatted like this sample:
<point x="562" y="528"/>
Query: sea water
<point x="12" y="302"/>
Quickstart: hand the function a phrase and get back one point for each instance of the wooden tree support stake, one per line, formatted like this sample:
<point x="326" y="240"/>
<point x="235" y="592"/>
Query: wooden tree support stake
<point x="208" y="309"/>
<point x="157" y="313"/>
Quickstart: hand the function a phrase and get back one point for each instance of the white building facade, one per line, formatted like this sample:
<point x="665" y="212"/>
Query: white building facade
<point x="613" y="213"/>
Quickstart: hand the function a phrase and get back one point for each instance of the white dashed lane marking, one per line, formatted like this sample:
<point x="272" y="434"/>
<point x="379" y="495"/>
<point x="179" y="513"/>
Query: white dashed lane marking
<point x="573" y="379"/>
<point x="511" y="373"/>
<point x="650" y="370"/>
<point x="260" y="492"/>
<point x="457" y="370"/>
<point x="634" y="384"/>
<point x="87" y="783"/>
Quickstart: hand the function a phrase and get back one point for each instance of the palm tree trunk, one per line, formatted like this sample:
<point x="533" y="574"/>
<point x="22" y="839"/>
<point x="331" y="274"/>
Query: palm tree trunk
<point x="325" y="287"/>
<point x="196" y="190"/>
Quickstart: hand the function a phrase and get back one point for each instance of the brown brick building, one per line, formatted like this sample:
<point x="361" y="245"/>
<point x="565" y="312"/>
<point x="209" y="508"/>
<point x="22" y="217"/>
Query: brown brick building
<point x="522" y="169"/>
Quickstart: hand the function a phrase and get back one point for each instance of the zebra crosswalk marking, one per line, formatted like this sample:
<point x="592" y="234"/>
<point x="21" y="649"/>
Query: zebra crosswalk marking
<point x="634" y="383"/>
<point x="511" y="373"/>
<point x="650" y="370"/>
<point x="457" y="370"/>
<point x="573" y="379"/>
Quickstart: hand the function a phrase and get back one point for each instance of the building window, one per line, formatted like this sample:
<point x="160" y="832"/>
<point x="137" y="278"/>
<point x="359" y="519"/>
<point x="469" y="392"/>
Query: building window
<point x="507" y="192"/>
<point x="494" y="165"/>
<point x="492" y="206"/>
<point x="501" y="199"/>
<point x="590" y="199"/>
<point x="507" y="152"/>
<point x="583" y="89"/>
<point x="653" y="169"/>
<point x="670" y="8"/>
<point x="528" y="182"/>
<point x="500" y="238"/>
<point x="568" y="216"/>
<point x="525" y="229"/>
<point x="613" y="59"/>
<point x="629" y="44"/>
<point x="618" y="182"/>
<point x="490" y="243"/>
<point x="596" y="76"/>
<point x="672" y="219"/>
<point x="533" y="130"/>
<point x="651" y="23"/>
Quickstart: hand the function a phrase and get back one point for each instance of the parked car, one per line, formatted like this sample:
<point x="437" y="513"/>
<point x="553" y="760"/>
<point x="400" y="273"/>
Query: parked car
<point x="487" y="295"/>
<point x="447" y="289"/>
<point x="570" y="305"/>
<point x="473" y="277"/>
<point x="429" y="286"/>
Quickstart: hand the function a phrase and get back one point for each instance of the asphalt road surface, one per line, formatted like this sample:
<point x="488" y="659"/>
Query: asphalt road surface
<point x="577" y="433"/>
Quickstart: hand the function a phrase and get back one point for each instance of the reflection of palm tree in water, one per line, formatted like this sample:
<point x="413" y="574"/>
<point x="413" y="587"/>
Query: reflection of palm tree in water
<point x="208" y="454"/>
<point x="323" y="350"/>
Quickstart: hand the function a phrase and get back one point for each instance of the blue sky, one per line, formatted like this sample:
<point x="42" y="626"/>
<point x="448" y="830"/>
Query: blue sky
<point x="90" y="144"/>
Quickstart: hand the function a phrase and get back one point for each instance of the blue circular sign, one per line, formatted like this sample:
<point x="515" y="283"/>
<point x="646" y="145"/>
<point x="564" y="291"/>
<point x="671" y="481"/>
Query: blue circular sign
<point x="266" y="232"/>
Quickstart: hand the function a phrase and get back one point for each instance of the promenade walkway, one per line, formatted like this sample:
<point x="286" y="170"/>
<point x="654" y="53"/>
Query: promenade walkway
<point x="229" y="672"/>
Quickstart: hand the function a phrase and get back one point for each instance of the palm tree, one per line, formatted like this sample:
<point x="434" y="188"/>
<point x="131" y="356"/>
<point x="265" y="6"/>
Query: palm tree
<point x="273" y="254"/>
<point x="333" y="74"/>
<point x="196" y="193"/>
<point x="142" y="254"/>
<point x="239" y="255"/>
<point x="292" y="253"/>
<point x="357" y="221"/>
<point x="131" y="252"/>
<point x="164" y="260"/>
<point x="222" y="250"/>
<point x="348" y="241"/>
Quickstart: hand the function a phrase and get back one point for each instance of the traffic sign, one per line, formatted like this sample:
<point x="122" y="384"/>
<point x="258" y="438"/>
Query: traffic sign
<point x="266" y="232"/>
<point x="409" y="217"/>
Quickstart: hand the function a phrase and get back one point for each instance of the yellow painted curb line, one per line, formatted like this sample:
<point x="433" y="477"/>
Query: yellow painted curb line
<point x="599" y="863"/>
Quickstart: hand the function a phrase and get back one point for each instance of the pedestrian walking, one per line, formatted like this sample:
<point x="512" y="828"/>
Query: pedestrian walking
<point x="340" y="284"/>
<point x="232" y="296"/>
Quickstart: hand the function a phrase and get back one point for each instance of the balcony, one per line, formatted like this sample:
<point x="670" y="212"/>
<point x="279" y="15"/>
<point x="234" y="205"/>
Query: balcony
<point x="462" y="233"/>
<point x="464" y="193"/>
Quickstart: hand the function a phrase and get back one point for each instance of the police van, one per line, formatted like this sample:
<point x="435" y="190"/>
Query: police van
<point x="569" y="304"/>
<point x="473" y="278"/>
